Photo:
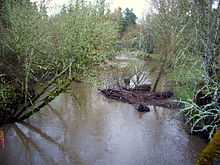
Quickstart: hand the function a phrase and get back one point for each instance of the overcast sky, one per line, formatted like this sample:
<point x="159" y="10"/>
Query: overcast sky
<point x="139" y="6"/>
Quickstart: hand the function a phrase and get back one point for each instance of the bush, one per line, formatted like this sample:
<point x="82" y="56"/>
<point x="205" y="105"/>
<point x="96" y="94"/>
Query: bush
<point x="38" y="51"/>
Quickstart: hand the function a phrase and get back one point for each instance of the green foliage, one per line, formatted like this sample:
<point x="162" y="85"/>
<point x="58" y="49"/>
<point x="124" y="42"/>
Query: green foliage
<point x="119" y="19"/>
<point x="83" y="34"/>
<point x="136" y="38"/>
<point x="203" y="111"/>
<point x="7" y="95"/>
<point x="38" y="50"/>
<point x="186" y="77"/>
<point x="206" y="15"/>
<point x="129" y="18"/>
<point x="186" y="34"/>
<point x="125" y="19"/>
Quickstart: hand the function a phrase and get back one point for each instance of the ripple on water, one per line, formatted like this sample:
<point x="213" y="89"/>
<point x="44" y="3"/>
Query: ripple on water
<point x="83" y="127"/>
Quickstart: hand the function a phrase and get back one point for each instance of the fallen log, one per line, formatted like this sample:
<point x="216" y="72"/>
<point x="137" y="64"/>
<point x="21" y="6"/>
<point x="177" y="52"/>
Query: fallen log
<point x="138" y="97"/>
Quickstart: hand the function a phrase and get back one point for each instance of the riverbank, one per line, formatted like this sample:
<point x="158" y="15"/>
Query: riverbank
<point x="81" y="126"/>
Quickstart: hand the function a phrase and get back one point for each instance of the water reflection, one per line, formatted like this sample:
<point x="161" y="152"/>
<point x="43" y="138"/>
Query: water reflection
<point x="99" y="131"/>
<point x="83" y="127"/>
<point x="133" y="75"/>
<point x="34" y="145"/>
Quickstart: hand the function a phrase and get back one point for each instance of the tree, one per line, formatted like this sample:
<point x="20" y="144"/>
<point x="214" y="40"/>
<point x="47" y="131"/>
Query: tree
<point x="124" y="19"/>
<point x="117" y="17"/>
<point x="187" y="36"/>
<point x="49" y="52"/>
<point x="207" y="17"/>
<point x="129" y="18"/>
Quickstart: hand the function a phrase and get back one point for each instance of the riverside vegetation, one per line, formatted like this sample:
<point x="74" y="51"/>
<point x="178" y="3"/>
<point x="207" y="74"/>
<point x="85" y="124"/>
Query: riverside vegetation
<point x="41" y="55"/>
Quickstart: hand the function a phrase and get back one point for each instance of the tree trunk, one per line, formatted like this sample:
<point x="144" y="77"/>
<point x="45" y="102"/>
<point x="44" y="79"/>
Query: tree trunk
<point x="209" y="20"/>
<point x="158" y="77"/>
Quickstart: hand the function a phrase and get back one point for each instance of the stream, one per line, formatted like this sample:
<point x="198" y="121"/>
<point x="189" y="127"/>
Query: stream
<point x="83" y="127"/>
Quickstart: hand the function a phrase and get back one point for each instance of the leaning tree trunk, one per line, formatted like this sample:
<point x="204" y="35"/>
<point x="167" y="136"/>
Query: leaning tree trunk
<point x="157" y="80"/>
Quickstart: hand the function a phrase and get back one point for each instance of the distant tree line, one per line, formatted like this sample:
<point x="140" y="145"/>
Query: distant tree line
<point x="125" y="19"/>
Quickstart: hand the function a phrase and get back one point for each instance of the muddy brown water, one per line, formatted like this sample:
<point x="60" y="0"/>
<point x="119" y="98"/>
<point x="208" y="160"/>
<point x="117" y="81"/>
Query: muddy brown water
<point x="82" y="127"/>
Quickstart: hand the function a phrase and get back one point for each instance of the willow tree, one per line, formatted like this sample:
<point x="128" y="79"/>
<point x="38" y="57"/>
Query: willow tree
<point x="207" y="17"/>
<point x="166" y="23"/>
<point x="204" y="112"/>
<point x="186" y="35"/>
<point x="47" y="53"/>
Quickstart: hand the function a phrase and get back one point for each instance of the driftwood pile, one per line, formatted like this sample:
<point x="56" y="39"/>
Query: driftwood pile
<point x="139" y="97"/>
